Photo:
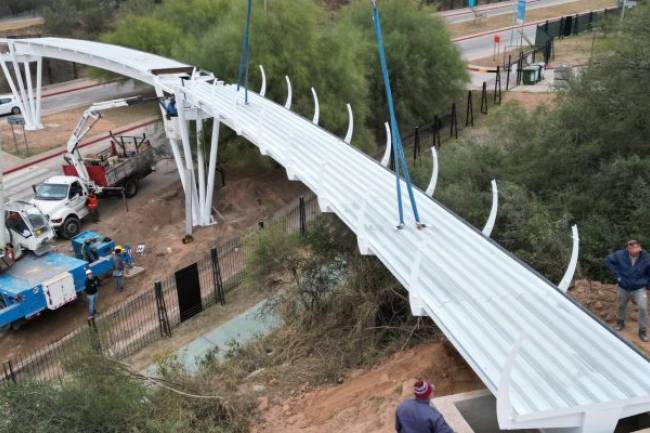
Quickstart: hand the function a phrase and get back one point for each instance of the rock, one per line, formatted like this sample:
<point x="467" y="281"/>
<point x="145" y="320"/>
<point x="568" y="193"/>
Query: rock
<point x="340" y="380"/>
<point x="263" y="403"/>
<point x="258" y="387"/>
<point x="274" y="382"/>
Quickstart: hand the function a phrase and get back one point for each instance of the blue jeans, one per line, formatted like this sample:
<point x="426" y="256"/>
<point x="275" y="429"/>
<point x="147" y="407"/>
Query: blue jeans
<point x="92" y="302"/>
<point x="640" y="297"/>
<point x="119" y="282"/>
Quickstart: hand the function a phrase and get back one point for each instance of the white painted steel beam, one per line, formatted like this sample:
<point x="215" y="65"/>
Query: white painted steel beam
<point x="316" y="107"/>
<point x="385" y="160"/>
<point x="573" y="261"/>
<point x="566" y="374"/>
<point x="348" y="135"/>
<point x="489" y="225"/>
<point x="287" y="104"/>
<point x="431" y="188"/>
<point x="263" y="86"/>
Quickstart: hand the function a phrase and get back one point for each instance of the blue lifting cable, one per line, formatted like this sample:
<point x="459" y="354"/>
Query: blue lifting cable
<point x="242" y="77"/>
<point x="398" y="151"/>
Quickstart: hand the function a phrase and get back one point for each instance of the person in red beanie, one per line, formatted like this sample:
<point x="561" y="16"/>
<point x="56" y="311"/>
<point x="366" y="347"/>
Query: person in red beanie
<point x="417" y="415"/>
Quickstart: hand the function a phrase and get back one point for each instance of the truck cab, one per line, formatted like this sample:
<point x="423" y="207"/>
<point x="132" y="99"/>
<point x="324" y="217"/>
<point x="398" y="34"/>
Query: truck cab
<point x="64" y="200"/>
<point x="27" y="229"/>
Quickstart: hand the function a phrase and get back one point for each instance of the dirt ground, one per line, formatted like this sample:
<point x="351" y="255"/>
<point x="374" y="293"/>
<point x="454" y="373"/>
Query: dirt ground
<point x="366" y="400"/>
<point x="59" y="126"/>
<point x="156" y="219"/>
<point x="505" y="20"/>
<point x="530" y="100"/>
<point x="600" y="299"/>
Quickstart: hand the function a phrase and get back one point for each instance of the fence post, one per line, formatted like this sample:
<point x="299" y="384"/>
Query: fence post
<point x="163" y="319"/>
<point x="469" y="115"/>
<point x="94" y="335"/>
<point x="219" y="294"/>
<point x="509" y="68"/>
<point x="260" y="225"/>
<point x="301" y="214"/>
<point x="484" y="105"/>
<point x="453" y="128"/>
<point x="497" y="86"/>
<point x="8" y="369"/>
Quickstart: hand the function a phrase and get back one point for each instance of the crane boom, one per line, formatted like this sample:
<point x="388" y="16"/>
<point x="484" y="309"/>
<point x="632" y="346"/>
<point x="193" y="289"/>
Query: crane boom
<point x="87" y="121"/>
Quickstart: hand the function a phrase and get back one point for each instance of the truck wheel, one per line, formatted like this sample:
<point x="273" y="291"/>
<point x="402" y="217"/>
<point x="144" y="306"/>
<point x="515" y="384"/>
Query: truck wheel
<point x="71" y="227"/>
<point x="15" y="110"/>
<point x="131" y="188"/>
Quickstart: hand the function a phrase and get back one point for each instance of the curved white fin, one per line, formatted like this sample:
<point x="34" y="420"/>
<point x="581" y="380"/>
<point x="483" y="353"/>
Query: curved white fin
<point x="316" y="107"/>
<point x="287" y="104"/>
<point x="489" y="225"/>
<point x="573" y="261"/>
<point x="431" y="189"/>
<point x="386" y="158"/>
<point x="263" y="88"/>
<point x="348" y="135"/>
<point x="504" y="405"/>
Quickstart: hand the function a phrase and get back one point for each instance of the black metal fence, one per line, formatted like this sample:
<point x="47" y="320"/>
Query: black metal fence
<point x="154" y="314"/>
<point x="569" y="25"/>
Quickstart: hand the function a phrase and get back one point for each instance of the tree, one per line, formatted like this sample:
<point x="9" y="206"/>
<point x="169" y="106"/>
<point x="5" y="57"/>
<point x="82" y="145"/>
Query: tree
<point x="426" y="69"/>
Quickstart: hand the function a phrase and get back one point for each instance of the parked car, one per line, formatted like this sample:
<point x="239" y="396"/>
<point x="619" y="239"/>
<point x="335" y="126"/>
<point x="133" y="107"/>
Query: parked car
<point x="8" y="105"/>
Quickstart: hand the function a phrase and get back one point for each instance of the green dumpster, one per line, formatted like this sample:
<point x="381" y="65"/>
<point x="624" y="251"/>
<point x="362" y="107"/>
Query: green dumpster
<point x="530" y="75"/>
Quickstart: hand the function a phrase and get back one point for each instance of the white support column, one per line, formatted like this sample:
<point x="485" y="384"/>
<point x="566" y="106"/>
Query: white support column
<point x="27" y="114"/>
<point x="212" y="167"/>
<point x="30" y="92"/>
<point x="200" y="162"/>
<point x="173" y="141"/>
<point x="12" y="85"/>
<point x="187" y="150"/>
<point x="39" y="88"/>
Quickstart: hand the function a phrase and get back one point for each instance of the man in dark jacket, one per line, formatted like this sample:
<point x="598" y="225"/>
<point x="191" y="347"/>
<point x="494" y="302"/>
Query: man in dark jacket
<point x="631" y="268"/>
<point x="417" y="415"/>
<point x="92" y="287"/>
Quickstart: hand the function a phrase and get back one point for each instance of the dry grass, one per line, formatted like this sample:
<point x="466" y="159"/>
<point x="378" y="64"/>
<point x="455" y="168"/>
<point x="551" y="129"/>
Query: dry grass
<point x="499" y="21"/>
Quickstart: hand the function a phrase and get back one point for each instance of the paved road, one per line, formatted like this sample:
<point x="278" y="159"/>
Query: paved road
<point x="491" y="10"/>
<point x="477" y="47"/>
<point x="18" y="185"/>
<point x="85" y="97"/>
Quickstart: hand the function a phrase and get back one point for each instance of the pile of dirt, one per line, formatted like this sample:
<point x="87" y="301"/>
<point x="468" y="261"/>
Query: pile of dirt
<point x="366" y="400"/>
<point x="601" y="299"/>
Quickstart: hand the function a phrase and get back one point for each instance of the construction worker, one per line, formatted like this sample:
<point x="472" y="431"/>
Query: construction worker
<point x="118" y="269"/>
<point x="88" y="252"/>
<point x="417" y="415"/>
<point x="92" y="287"/>
<point x="93" y="207"/>
<point x="170" y="108"/>
<point x="631" y="268"/>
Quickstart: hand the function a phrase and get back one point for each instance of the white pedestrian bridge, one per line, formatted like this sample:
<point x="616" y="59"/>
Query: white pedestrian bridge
<point x="550" y="363"/>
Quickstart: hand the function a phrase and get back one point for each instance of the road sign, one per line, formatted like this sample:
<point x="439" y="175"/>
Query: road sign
<point x="15" y="120"/>
<point x="521" y="11"/>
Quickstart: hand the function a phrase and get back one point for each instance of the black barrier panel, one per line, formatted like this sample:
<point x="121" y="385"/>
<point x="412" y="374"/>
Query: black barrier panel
<point x="188" y="289"/>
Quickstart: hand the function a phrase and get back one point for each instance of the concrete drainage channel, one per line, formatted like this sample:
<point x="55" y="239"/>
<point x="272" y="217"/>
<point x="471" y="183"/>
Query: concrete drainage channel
<point x="475" y="412"/>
